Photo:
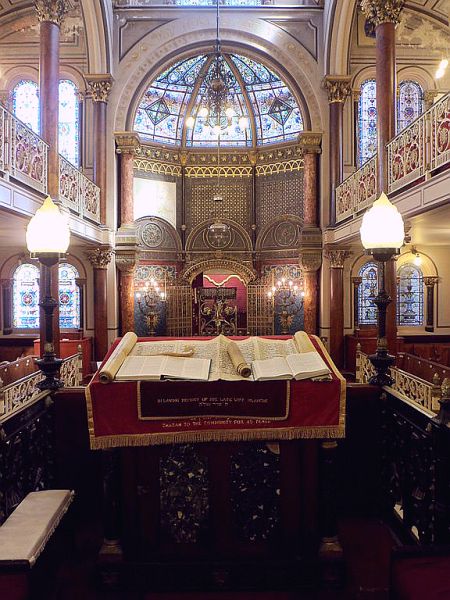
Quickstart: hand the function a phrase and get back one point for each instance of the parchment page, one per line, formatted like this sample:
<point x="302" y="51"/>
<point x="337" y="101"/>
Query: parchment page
<point x="272" y="348"/>
<point x="303" y="343"/>
<point x="207" y="349"/>
<point x="186" y="368"/>
<point x="120" y="352"/>
<point x="152" y="348"/>
<point x="141" y="367"/>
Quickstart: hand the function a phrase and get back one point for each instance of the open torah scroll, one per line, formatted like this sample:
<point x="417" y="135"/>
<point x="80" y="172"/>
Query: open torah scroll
<point x="227" y="360"/>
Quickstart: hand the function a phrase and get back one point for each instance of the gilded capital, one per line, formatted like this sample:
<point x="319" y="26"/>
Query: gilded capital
<point x="310" y="141"/>
<point x="337" y="257"/>
<point x="127" y="142"/>
<point x="126" y="262"/>
<point x="338" y="88"/>
<point x="99" y="86"/>
<point x="310" y="260"/>
<point x="382" y="11"/>
<point x="430" y="281"/>
<point x="99" y="257"/>
<point x="51" y="10"/>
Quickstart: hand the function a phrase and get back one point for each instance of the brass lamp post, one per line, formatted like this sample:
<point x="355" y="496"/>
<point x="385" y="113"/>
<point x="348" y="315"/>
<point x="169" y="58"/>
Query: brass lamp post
<point x="48" y="237"/>
<point x="382" y="235"/>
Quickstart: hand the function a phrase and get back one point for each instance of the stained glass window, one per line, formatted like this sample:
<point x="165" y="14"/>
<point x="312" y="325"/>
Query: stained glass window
<point x="367" y="121"/>
<point x="368" y="289"/>
<point x="410" y="296"/>
<point x="69" y="122"/>
<point x="26" y="297"/>
<point x="69" y="297"/>
<point x="258" y="94"/>
<point x="214" y="2"/>
<point x="25" y="101"/>
<point x="410" y="103"/>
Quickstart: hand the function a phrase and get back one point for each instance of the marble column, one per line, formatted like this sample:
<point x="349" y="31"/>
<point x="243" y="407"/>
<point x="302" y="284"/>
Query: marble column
<point x="336" y="343"/>
<point x="430" y="282"/>
<point x="390" y="283"/>
<point x="356" y="282"/>
<point x="310" y="141"/>
<point x="126" y="264"/>
<point x="310" y="262"/>
<point x="385" y="16"/>
<point x="100" y="86"/>
<point x="127" y="144"/>
<point x="338" y="88"/>
<point x="7" y="305"/>
<point x="99" y="258"/>
<point x="50" y="15"/>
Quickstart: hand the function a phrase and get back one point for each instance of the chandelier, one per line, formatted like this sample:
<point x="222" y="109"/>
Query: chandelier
<point x="287" y="296"/>
<point x="219" y="92"/>
<point x="149" y="299"/>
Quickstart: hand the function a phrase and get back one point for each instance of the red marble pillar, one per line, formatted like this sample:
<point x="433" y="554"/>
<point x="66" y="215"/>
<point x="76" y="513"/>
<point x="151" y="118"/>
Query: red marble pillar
<point x="126" y="265"/>
<point x="391" y="313"/>
<point x="50" y="15"/>
<point x="337" y="258"/>
<point x="127" y="145"/>
<point x="310" y="207"/>
<point x="100" y="86"/>
<point x="311" y="301"/>
<point x="99" y="258"/>
<point x="338" y="89"/>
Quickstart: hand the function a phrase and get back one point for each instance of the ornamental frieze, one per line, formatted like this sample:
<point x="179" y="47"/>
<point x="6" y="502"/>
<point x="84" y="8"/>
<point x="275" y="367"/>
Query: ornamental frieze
<point x="127" y="142"/>
<point x="382" y="11"/>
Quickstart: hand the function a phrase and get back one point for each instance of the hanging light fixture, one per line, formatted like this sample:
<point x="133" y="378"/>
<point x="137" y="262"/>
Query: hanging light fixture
<point x="219" y="96"/>
<point x="218" y="231"/>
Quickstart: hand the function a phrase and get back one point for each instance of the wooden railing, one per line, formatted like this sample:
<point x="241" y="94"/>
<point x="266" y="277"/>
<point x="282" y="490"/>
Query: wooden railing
<point x="23" y="392"/>
<point x="415" y="390"/>
<point x="416" y="151"/>
<point x="24" y="156"/>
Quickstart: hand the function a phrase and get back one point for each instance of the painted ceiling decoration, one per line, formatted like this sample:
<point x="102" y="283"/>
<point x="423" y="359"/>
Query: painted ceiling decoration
<point x="259" y="96"/>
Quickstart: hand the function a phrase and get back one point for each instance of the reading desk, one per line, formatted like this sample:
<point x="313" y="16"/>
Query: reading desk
<point x="218" y="488"/>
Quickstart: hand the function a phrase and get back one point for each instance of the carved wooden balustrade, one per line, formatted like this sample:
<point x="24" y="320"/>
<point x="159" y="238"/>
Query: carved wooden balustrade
<point x="407" y="386"/>
<point x="23" y="392"/>
<point x="23" y="155"/>
<point x="417" y="151"/>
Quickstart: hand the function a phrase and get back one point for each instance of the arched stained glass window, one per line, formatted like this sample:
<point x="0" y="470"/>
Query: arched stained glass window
<point x="26" y="297"/>
<point x="367" y="121"/>
<point x="410" y="296"/>
<point x="410" y="103"/>
<point x="69" y="297"/>
<point x="25" y="101"/>
<point x="368" y="289"/>
<point x="69" y="122"/>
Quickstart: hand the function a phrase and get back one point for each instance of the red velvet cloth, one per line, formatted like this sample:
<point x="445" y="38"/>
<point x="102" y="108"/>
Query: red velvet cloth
<point x="317" y="410"/>
<point x="421" y="578"/>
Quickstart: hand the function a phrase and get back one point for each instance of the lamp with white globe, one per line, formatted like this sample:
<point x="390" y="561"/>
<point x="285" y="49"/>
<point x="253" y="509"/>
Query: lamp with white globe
<point x="382" y="235"/>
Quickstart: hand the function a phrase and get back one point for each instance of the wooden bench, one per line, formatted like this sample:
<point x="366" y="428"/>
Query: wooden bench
<point x="23" y="537"/>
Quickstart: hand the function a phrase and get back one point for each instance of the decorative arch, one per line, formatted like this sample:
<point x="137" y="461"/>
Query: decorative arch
<point x="157" y="50"/>
<point x="283" y="233"/>
<point x="238" y="239"/>
<point x="427" y="266"/>
<point x="246" y="273"/>
<point x="98" y="23"/>
<point x="158" y="236"/>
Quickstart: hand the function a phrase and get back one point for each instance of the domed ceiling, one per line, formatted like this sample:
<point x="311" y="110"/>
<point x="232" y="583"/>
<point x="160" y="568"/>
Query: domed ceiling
<point x="261" y="109"/>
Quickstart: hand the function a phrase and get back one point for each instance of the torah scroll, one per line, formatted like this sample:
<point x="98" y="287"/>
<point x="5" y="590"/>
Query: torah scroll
<point x="114" y="362"/>
<point x="242" y="368"/>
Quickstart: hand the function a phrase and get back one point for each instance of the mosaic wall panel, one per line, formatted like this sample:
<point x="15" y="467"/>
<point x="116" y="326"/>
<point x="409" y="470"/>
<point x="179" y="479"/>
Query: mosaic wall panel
<point x="277" y="195"/>
<point x="255" y="492"/>
<point x="236" y="203"/>
<point x="184" y="494"/>
<point x="149" y="310"/>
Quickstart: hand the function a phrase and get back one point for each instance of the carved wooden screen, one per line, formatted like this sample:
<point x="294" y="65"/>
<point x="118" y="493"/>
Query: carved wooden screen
<point x="179" y="310"/>
<point x="259" y="311"/>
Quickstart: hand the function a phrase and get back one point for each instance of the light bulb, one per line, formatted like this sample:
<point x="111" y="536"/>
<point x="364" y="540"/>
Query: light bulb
<point x="290" y="284"/>
<point x="190" y="121"/>
<point x="443" y="64"/>
<point x="417" y="260"/>
<point x="302" y="294"/>
<point x="203" y="112"/>
<point x="439" y="73"/>
<point x="243" y="122"/>
<point x="274" y="289"/>
<point x="269" y="294"/>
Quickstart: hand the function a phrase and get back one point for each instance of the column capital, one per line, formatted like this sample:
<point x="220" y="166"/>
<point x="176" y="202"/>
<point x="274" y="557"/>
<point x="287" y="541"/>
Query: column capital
<point x="126" y="262"/>
<point x="430" y="281"/>
<point x="310" y="141"/>
<point x="100" y="257"/>
<point x="127" y="142"/>
<point x="337" y="257"/>
<point x="51" y="10"/>
<point x="338" y="88"/>
<point x="99" y="86"/>
<point x="382" y="11"/>
<point x="310" y="260"/>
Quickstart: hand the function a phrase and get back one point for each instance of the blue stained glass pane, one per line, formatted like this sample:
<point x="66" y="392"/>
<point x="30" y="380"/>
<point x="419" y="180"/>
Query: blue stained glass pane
<point x="367" y="121"/>
<point x="410" y="296"/>
<point x="69" y="297"/>
<point x="368" y="289"/>
<point x="69" y="122"/>
<point x="410" y="103"/>
<point x="25" y="101"/>
<point x="26" y="297"/>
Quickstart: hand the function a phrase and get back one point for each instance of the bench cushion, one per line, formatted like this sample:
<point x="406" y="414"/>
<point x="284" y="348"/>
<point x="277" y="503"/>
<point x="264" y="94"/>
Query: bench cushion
<point x="26" y="531"/>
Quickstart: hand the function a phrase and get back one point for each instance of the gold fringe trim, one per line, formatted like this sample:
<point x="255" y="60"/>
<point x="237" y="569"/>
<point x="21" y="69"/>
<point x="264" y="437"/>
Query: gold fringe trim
<point x="222" y="435"/>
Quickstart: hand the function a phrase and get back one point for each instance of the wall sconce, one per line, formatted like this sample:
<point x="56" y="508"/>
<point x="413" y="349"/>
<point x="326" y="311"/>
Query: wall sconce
<point x="417" y="260"/>
<point x="284" y="294"/>
<point x="440" y="72"/>
<point x="48" y="237"/>
<point x="382" y="235"/>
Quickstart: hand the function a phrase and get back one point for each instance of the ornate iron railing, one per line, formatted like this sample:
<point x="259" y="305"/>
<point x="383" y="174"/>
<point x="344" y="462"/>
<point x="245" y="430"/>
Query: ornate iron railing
<point x="412" y="388"/>
<point x="77" y="192"/>
<point x="23" y="392"/>
<point x="418" y="150"/>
